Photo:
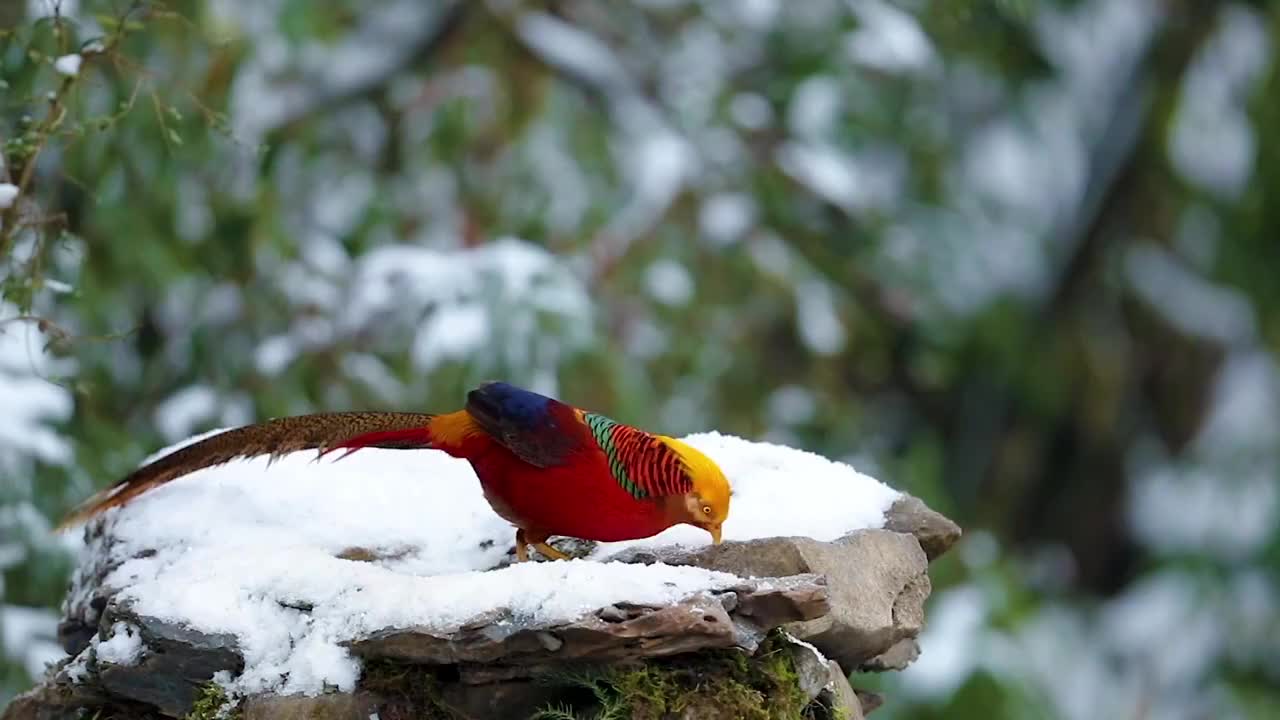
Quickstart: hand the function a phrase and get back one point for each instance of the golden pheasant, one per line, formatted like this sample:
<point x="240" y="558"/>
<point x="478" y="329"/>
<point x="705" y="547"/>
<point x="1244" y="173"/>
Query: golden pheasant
<point x="546" y="467"/>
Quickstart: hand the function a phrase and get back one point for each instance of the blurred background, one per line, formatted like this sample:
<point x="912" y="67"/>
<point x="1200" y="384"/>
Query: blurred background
<point x="1013" y="256"/>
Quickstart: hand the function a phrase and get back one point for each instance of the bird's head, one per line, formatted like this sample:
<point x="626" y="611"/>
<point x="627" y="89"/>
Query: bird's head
<point x="707" y="504"/>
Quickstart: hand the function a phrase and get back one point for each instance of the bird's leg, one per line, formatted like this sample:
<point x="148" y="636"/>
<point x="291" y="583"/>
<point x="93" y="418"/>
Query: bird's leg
<point x="522" y="550"/>
<point x="539" y="541"/>
<point x="550" y="552"/>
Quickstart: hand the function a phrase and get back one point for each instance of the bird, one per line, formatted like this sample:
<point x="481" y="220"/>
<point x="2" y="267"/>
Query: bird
<point x="545" y="466"/>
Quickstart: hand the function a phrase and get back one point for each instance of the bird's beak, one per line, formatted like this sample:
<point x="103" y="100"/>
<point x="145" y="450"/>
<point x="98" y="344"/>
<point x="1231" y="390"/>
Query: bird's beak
<point x="715" y="534"/>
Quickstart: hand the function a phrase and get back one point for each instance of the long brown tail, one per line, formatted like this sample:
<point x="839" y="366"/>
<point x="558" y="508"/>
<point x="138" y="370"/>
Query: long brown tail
<point x="322" y="431"/>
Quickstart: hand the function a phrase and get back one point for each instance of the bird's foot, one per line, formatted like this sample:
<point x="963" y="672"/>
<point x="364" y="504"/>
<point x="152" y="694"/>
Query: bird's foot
<point x="539" y="542"/>
<point x="550" y="552"/>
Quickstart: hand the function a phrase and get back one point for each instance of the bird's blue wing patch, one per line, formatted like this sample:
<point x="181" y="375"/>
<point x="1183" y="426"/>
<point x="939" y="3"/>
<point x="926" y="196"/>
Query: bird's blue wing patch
<point x="523" y="421"/>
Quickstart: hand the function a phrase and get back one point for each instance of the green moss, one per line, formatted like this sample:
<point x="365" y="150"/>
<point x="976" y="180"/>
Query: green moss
<point x="412" y="691"/>
<point x="213" y="704"/>
<point x="714" y="684"/>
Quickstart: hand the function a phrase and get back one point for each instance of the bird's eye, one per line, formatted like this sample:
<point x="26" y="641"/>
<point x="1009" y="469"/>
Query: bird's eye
<point x="706" y="509"/>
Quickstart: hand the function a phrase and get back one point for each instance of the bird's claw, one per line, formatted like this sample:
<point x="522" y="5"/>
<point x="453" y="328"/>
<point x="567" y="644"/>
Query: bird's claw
<point x="550" y="552"/>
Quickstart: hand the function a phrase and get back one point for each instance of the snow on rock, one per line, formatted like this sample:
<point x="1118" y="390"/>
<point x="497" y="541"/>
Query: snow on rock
<point x="266" y="552"/>
<point x="774" y="492"/>
<point x="124" y="646"/>
<point x="257" y="597"/>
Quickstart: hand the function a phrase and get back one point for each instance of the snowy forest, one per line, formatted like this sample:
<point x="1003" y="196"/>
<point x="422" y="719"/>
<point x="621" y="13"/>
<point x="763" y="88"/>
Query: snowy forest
<point x="1013" y="257"/>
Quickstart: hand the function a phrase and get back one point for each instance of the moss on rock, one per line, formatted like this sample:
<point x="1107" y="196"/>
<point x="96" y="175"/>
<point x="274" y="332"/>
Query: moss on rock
<point x="711" y="685"/>
<point x="408" y="691"/>
<point x="213" y="704"/>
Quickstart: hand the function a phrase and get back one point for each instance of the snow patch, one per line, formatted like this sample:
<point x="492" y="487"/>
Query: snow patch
<point x="951" y="645"/>
<point x="29" y="636"/>
<point x="669" y="282"/>
<point x="726" y="217"/>
<point x="792" y="405"/>
<point x="888" y="39"/>
<point x="814" y="107"/>
<point x="37" y="9"/>
<point x="1213" y="142"/>
<point x="68" y="65"/>
<point x="124" y="646"/>
<point x="1192" y="304"/>
<point x="751" y="111"/>
<point x="571" y="49"/>
<point x="31" y="401"/>
<point x="499" y="297"/>
<point x="179" y="414"/>
<point x="818" y="320"/>
<point x="8" y="193"/>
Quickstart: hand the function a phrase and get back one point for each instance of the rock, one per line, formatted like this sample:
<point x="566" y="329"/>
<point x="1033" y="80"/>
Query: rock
<point x="876" y="582"/>
<point x="778" y="600"/>
<point x="34" y="705"/>
<point x="823" y="680"/>
<point x="687" y="626"/>
<point x="74" y="634"/>
<point x="838" y="696"/>
<point x="89" y="593"/>
<point x="738" y="617"/>
<point x="511" y="699"/>
<point x="935" y="532"/>
<point x="858" y="600"/>
<point x="810" y="666"/>
<point x="176" y="663"/>
<point x="897" y="657"/>
<point x="50" y="702"/>
<point x="374" y="555"/>
<point x="514" y="699"/>
<point x="869" y="700"/>
<point x="335" y="706"/>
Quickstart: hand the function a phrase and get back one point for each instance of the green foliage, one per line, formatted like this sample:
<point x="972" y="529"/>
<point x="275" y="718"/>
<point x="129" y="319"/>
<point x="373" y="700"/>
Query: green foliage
<point x="213" y="704"/>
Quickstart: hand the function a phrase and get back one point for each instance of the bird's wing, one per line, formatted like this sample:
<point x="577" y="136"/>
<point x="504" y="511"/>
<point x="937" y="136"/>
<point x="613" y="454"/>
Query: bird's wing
<point x="539" y="430"/>
<point x="543" y="432"/>
<point x="642" y="463"/>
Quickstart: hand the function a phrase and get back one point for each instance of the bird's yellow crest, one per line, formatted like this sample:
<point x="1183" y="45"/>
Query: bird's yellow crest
<point x="709" y="501"/>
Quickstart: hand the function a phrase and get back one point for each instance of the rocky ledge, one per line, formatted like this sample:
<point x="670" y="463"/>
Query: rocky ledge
<point x="779" y="642"/>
